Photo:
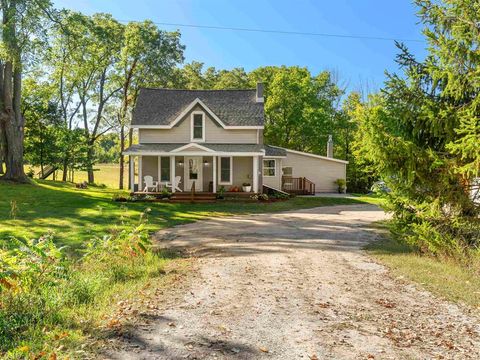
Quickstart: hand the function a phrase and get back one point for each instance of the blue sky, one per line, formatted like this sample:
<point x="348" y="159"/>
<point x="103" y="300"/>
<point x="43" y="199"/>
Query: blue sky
<point x="357" y="62"/>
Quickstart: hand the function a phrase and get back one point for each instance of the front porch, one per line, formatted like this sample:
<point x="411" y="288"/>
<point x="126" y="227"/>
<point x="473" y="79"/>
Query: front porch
<point x="223" y="173"/>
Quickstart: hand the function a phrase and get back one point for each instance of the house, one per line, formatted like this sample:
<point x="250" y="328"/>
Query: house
<point x="213" y="139"/>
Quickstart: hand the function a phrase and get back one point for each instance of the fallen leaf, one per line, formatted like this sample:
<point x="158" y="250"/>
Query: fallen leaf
<point x="263" y="349"/>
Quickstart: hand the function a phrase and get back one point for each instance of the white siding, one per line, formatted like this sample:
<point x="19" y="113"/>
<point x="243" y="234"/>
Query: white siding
<point x="322" y="172"/>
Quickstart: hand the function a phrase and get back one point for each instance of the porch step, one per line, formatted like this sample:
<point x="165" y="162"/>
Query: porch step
<point x="186" y="197"/>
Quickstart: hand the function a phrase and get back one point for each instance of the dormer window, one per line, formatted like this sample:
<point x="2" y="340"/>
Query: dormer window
<point x="198" y="126"/>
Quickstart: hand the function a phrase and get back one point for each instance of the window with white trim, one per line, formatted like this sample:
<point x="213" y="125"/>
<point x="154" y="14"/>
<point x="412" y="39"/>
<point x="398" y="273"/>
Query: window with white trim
<point x="225" y="170"/>
<point x="269" y="167"/>
<point x="198" y="126"/>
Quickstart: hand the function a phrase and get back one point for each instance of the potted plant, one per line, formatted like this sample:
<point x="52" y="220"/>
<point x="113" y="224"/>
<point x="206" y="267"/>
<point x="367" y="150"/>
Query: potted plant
<point x="342" y="186"/>
<point x="246" y="187"/>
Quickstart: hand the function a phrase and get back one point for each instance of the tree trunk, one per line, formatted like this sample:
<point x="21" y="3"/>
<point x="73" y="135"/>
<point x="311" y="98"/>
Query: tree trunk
<point x="122" y="148"/>
<point x="65" y="169"/>
<point x="90" y="158"/>
<point x="130" y="141"/>
<point x="12" y="123"/>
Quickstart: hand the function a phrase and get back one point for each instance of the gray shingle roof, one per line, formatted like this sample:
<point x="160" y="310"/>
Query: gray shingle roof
<point x="156" y="148"/>
<point x="233" y="107"/>
<point x="274" y="151"/>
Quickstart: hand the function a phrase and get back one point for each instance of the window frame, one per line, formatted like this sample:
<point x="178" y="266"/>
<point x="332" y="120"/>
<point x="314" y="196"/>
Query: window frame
<point x="269" y="167"/>
<point x="192" y="126"/>
<point x="220" y="182"/>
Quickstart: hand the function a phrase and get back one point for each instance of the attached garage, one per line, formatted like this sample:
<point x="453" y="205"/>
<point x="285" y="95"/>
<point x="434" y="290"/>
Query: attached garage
<point x="321" y="170"/>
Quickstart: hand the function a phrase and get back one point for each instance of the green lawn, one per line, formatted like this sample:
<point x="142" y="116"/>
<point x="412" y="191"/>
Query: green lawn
<point x="107" y="174"/>
<point x="76" y="215"/>
<point x="444" y="277"/>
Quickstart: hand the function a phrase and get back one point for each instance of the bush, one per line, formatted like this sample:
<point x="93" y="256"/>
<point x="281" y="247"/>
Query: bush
<point x="259" y="197"/>
<point x="342" y="185"/>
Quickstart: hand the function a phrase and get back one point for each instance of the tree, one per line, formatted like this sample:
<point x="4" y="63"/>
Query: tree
<point x="88" y="70"/>
<point x="360" y="173"/>
<point x="58" y="57"/>
<point x="300" y="108"/>
<point x="43" y="125"/>
<point x="22" y="25"/>
<point x="147" y="58"/>
<point x="422" y="133"/>
<point x="236" y="78"/>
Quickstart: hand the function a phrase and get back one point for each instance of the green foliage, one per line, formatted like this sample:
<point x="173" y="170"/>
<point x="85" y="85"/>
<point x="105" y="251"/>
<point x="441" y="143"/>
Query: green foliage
<point x="422" y="133"/>
<point x="259" y="197"/>
<point x="342" y="185"/>
<point x="42" y="289"/>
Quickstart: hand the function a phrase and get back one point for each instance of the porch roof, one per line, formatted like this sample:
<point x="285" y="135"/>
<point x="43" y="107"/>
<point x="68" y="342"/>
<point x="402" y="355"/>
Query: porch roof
<point x="195" y="149"/>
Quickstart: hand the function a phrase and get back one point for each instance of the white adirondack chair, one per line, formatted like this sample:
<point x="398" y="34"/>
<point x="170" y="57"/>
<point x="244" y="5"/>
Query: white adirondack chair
<point x="175" y="185"/>
<point x="149" y="183"/>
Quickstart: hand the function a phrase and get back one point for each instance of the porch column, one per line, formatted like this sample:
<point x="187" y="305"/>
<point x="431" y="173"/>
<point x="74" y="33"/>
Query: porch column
<point x="172" y="172"/>
<point x="159" y="171"/>
<point x="214" y="161"/>
<point x="255" y="174"/>
<point x="131" y="172"/>
<point x="140" y="178"/>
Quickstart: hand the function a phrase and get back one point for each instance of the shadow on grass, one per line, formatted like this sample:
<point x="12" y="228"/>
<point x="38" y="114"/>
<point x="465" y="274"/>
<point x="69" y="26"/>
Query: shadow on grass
<point x="76" y="215"/>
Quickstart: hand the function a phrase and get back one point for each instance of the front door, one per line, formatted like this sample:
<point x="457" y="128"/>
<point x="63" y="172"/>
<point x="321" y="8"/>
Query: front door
<point x="193" y="173"/>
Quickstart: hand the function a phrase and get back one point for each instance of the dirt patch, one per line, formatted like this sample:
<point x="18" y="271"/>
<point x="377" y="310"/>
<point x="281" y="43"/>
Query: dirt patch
<point x="296" y="285"/>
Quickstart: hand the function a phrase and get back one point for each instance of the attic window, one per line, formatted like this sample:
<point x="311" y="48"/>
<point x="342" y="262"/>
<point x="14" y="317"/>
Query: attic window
<point x="198" y="126"/>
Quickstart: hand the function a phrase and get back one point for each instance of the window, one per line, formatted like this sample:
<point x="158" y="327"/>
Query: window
<point x="225" y="171"/>
<point x="269" y="167"/>
<point x="165" y="169"/>
<point x="287" y="171"/>
<point x="198" y="127"/>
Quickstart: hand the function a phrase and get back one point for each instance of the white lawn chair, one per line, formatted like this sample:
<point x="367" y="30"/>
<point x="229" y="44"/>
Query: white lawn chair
<point x="175" y="185"/>
<point x="149" y="183"/>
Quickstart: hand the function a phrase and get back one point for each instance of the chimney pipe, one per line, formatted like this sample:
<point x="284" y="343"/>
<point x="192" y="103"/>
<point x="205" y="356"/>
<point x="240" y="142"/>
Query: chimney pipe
<point x="330" y="147"/>
<point x="259" y="97"/>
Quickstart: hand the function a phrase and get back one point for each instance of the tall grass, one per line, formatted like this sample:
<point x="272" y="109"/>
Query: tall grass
<point x="50" y="303"/>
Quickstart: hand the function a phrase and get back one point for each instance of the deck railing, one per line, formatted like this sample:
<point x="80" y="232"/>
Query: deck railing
<point x="298" y="185"/>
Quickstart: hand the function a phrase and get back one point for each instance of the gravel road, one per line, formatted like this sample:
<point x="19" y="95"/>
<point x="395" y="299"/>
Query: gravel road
<point x="296" y="285"/>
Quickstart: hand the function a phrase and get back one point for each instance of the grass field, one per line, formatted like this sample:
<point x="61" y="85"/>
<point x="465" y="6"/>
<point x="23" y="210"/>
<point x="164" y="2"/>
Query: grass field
<point x="444" y="277"/>
<point x="107" y="174"/>
<point x="76" y="215"/>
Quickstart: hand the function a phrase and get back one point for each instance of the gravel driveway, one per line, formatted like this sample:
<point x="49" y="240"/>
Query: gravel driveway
<point x="296" y="285"/>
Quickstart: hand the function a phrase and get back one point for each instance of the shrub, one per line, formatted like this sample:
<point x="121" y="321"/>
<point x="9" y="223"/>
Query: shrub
<point x="221" y="192"/>
<point x="259" y="197"/>
<point x="342" y="185"/>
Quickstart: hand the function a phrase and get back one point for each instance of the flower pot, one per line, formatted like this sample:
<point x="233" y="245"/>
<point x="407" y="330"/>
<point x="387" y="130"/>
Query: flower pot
<point x="247" y="188"/>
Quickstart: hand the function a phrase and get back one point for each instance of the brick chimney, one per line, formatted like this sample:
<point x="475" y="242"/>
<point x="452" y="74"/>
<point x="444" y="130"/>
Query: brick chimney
<point x="259" y="97"/>
<point x="330" y="147"/>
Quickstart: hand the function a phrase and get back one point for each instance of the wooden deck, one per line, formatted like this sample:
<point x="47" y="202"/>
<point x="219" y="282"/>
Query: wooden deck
<point x="298" y="185"/>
